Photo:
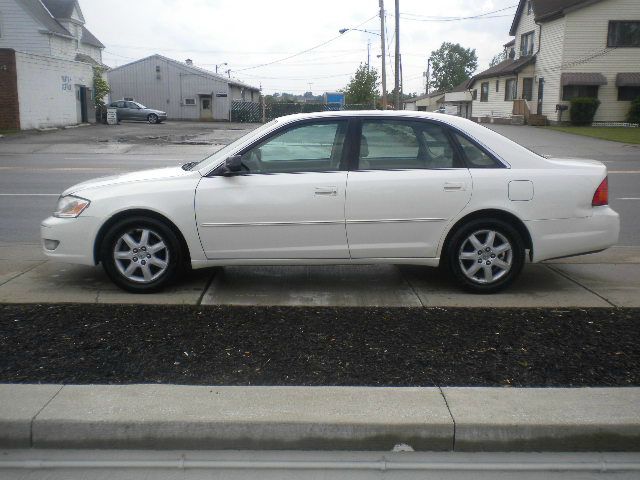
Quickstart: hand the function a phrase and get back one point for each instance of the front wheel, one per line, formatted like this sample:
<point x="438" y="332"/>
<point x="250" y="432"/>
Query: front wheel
<point x="140" y="254"/>
<point x="152" y="118"/>
<point x="485" y="256"/>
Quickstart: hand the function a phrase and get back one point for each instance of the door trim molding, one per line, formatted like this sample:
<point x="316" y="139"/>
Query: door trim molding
<point x="321" y="222"/>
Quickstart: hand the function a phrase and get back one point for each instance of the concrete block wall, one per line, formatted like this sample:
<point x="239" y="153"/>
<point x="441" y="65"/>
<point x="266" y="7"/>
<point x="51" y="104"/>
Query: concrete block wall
<point x="47" y="90"/>
<point x="10" y="111"/>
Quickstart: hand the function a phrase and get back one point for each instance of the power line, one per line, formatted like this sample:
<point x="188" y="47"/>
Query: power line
<point x="303" y="51"/>
<point x="452" y="19"/>
<point x="448" y="19"/>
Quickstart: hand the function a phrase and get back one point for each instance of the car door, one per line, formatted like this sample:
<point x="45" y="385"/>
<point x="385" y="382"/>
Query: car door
<point x="287" y="203"/>
<point x="121" y="110"/>
<point x="409" y="183"/>
<point x="133" y="111"/>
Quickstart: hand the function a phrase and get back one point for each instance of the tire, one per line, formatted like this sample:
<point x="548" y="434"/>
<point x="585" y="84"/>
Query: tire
<point x="141" y="254"/>
<point x="152" y="118"/>
<point x="485" y="255"/>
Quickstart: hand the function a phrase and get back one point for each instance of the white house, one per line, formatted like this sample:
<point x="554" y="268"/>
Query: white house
<point x="183" y="90"/>
<point x="425" y="103"/>
<point x="564" y="49"/>
<point x="46" y="64"/>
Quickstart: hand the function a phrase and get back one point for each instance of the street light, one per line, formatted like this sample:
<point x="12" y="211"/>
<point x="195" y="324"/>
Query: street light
<point x="220" y="65"/>
<point x="381" y="35"/>
<point x="344" y="30"/>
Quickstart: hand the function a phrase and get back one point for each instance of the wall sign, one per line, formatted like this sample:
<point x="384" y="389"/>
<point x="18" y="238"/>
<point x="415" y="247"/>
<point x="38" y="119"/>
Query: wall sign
<point x="67" y="86"/>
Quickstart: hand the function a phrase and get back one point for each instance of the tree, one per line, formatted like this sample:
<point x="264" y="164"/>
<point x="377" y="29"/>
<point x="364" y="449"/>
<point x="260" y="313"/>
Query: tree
<point x="363" y="86"/>
<point x="100" y="87"/>
<point x="500" y="57"/>
<point x="452" y="64"/>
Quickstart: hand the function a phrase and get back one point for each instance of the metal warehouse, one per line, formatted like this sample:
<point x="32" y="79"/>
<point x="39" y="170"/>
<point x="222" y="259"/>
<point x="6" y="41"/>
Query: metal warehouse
<point x="184" y="91"/>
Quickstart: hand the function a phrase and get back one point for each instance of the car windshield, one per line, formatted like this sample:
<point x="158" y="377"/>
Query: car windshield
<point x="139" y="105"/>
<point x="223" y="153"/>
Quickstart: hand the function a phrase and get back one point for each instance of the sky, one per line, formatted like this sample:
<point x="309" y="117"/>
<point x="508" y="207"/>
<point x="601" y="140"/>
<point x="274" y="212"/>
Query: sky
<point x="248" y="34"/>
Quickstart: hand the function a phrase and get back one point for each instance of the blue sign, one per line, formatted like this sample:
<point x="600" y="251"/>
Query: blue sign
<point x="334" y="97"/>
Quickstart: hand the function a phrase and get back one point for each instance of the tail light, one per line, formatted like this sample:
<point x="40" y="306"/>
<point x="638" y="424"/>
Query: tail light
<point x="601" y="197"/>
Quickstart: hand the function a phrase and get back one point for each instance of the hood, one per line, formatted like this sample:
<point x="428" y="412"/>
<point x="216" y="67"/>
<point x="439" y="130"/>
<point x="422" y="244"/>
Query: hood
<point x="153" y="110"/>
<point x="140" y="176"/>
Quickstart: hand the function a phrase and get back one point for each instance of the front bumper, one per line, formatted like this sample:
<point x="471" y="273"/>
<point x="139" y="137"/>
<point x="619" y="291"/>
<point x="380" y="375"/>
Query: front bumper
<point x="574" y="236"/>
<point x="73" y="239"/>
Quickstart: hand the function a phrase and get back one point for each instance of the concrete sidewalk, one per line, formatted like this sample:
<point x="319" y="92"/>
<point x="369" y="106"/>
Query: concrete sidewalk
<point x="607" y="279"/>
<point x="157" y="417"/>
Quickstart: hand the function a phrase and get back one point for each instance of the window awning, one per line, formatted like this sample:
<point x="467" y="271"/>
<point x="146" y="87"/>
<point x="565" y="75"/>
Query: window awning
<point x="583" y="79"/>
<point x="629" y="79"/>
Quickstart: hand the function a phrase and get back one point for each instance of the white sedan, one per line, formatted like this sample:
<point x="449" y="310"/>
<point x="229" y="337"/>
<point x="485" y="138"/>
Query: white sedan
<point x="341" y="188"/>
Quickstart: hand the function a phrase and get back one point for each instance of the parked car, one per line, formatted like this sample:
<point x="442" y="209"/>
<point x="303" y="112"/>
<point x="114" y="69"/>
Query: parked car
<point x="342" y="188"/>
<point x="440" y="110"/>
<point x="128" y="110"/>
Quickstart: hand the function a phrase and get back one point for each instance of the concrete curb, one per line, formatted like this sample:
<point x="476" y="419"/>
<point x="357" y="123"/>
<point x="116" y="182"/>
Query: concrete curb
<point x="319" y="418"/>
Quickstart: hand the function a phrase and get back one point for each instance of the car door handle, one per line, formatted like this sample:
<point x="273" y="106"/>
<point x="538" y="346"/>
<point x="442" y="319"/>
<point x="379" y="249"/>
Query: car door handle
<point x="453" y="186"/>
<point x="326" y="191"/>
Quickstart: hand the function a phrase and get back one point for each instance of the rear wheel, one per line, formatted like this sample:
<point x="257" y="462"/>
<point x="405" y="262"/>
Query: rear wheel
<point x="485" y="256"/>
<point x="141" y="254"/>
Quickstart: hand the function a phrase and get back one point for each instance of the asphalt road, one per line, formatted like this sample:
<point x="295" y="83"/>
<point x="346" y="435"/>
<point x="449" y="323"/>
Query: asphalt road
<point x="35" y="169"/>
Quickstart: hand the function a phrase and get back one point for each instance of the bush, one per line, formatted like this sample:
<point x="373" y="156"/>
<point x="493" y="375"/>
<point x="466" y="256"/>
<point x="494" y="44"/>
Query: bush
<point x="634" y="112"/>
<point x="583" y="110"/>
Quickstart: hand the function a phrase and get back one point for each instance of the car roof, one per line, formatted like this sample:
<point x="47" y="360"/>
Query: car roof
<point x="408" y="114"/>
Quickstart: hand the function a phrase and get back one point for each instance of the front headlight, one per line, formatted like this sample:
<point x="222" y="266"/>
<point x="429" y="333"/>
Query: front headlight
<point x="70" y="206"/>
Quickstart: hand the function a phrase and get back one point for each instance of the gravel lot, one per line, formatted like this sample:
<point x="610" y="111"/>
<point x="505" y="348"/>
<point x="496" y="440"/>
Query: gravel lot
<point x="119" y="344"/>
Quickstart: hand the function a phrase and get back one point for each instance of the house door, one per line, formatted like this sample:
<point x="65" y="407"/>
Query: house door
<point x="84" y="104"/>
<point x="540" y="92"/>
<point x="206" y="112"/>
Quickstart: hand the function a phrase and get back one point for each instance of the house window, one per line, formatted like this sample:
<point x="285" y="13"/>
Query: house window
<point x="189" y="101"/>
<point x="474" y="95"/>
<point x="582" y="91"/>
<point x="497" y="85"/>
<point x="529" y="7"/>
<point x="628" y="93"/>
<point x="510" y="89"/>
<point x="527" y="88"/>
<point x="526" y="44"/>
<point x="484" y="92"/>
<point x="624" y="34"/>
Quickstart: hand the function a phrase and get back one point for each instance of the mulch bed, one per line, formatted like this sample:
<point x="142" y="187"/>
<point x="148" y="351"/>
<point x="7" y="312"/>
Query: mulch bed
<point x="120" y="344"/>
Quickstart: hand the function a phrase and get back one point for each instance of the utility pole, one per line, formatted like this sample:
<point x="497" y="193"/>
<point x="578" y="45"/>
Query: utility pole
<point x="428" y="75"/>
<point x="397" y="72"/>
<point x="384" y="63"/>
<point x="368" y="53"/>
<point x="228" y="72"/>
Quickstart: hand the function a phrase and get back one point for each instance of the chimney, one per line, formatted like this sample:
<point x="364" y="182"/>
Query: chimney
<point x="189" y="62"/>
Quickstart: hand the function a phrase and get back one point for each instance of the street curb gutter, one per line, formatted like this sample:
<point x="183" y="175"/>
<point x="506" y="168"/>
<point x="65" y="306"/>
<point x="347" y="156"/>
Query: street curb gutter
<point x="164" y="417"/>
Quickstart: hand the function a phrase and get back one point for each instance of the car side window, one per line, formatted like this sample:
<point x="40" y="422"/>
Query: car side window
<point x="120" y="105"/>
<point x="474" y="155"/>
<point x="402" y="144"/>
<point x="312" y="147"/>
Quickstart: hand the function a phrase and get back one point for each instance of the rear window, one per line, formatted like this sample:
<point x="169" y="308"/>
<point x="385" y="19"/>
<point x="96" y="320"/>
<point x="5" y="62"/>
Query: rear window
<point x="475" y="156"/>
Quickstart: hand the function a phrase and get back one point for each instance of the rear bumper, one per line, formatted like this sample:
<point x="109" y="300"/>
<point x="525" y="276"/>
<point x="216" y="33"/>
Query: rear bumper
<point x="574" y="236"/>
<point x="73" y="239"/>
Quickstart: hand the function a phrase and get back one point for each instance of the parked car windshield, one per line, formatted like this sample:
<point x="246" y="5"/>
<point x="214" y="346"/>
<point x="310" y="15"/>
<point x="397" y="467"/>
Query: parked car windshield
<point x="139" y="105"/>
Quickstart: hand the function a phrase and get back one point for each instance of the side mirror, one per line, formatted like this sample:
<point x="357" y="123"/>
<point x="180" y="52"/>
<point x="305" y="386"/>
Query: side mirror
<point x="232" y="165"/>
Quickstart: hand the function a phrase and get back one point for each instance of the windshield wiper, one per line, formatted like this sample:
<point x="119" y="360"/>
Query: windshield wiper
<point x="190" y="165"/>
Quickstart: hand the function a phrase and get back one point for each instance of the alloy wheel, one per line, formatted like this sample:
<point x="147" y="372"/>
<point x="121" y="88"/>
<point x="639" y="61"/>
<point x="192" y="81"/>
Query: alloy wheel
<point x="141" y="255"/>
<point x="485" y="256"/>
